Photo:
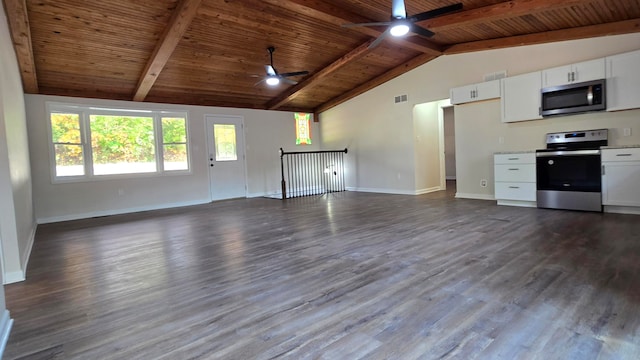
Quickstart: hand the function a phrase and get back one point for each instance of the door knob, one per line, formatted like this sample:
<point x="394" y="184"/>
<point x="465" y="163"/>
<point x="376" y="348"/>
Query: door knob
<point x="211" y="165"/>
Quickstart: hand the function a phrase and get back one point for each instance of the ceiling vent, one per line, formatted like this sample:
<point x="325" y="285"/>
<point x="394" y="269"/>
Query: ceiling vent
<point x="401" y="99"/>
<point x="496" y="75"/>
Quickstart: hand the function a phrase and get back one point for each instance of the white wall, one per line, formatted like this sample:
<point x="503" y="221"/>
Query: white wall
<point x="378" y="132"/>
<point x="17" y="223"/>
<point x="265" y="133"/>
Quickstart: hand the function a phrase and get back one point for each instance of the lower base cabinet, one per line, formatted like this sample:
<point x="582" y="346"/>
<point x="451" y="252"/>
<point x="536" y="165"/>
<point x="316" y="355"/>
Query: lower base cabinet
<point x="515" y="179"/>
<point x="621" y="178"/>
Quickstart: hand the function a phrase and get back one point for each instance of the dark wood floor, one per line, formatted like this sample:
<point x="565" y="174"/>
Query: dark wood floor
<point x="342" y="276"/>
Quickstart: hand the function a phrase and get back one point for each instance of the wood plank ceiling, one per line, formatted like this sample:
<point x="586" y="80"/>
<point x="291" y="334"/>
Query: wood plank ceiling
<point x="213" y="52"/>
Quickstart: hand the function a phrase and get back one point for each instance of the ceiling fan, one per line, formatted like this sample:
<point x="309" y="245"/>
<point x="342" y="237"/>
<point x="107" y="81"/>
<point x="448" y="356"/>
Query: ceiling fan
<point x="273" y="78"/>
<point x="400" y="24"/>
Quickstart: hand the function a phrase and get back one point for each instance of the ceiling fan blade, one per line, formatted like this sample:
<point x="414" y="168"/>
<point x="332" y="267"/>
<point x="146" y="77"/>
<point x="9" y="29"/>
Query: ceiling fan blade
<point x="295" y="73"/>
<point x="288" y="81"/>
<point x="398" y="10"/>
<point x="436" y="12"/>
<point x="381" y="23"/>
<point x="421" y="31"/>
<point x="271" y="71"/>
<point x="377" y="41"/>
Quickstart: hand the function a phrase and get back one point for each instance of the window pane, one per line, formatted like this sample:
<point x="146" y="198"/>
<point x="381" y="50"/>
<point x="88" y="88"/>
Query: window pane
<point x="225" y="139"/>
<point x="175" y="157"/>
<point x="69" y="160"/>
<point x="122" y="144"/>
<point x="174" y="130"/>
<point x="65" y="128"/>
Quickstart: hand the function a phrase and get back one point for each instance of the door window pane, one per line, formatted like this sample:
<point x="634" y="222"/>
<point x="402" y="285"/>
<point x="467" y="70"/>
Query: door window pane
<point x="225" y="140"/>
<point x="122" y="144"/>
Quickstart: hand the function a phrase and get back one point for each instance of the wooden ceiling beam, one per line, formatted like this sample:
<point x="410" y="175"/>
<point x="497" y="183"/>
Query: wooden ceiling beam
<point x="504" y="10"/>
<point x="614" y="28"/>
<point x="180" y="21"/>
<point x="292" y="92"/>
<point x="391" y="74"/>
<point x="329" y="13"/>
<point x="18" y="19"/>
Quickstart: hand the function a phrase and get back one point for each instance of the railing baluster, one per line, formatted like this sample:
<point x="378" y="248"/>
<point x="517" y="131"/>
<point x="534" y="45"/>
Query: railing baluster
<point x="312" y="172"/>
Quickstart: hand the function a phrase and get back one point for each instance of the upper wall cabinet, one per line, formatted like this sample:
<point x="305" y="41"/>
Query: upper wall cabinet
<point x="574" y="73"/>
<point x="521" y="97"/>
<point x="476" y="92"/>
<point x="623" y="81"/>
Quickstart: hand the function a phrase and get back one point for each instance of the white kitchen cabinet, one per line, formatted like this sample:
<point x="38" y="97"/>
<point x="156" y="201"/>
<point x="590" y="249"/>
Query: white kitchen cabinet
<point x="515" y="179"/>
<point x="574" y="73"/>
<point x="520" y="97"/>
<point x="476" y="92"/>
<point x="621" y="177"/>
<point x="623" y="81"/>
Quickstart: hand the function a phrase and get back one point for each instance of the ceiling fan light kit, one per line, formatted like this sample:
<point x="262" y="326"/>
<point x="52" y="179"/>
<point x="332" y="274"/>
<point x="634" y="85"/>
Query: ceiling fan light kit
<point x="274" y="78"/>
<point x="400" y="24"/>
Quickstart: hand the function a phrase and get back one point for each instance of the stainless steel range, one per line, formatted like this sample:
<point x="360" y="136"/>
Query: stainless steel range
<point x="568" y="170"/>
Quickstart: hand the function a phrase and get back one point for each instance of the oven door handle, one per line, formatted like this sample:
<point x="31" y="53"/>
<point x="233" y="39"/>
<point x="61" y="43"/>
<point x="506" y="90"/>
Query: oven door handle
<point x="568" y="153"/>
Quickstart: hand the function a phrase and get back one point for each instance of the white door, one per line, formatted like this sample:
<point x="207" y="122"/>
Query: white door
<point x="226" y="162"/>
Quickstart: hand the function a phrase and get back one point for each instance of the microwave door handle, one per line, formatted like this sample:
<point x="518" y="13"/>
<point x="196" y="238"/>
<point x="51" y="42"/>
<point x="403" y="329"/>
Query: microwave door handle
<point x="590" y="95"/>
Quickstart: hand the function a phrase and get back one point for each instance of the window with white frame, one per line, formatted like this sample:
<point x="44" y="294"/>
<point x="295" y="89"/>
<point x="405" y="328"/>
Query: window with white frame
<point x="89" y="142"/>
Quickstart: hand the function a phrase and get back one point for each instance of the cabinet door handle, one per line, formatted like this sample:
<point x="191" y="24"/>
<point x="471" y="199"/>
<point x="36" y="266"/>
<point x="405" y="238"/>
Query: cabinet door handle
<point x="602" y="169"/>
<point x="514" y="187"/>
<point x="568" y="77"/>
<point x="623" y="154"/>
<point x="514" y="169"/>
<point x="573" y="76"/>
<point x="514" y="158"/>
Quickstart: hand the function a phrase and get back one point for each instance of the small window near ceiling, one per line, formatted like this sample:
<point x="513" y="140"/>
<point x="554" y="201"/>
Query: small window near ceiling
<point x="303" y="130"/>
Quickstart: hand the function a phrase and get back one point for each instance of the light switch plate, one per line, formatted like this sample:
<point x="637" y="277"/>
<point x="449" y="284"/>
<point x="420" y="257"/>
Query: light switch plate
<point x="626" y="132"/>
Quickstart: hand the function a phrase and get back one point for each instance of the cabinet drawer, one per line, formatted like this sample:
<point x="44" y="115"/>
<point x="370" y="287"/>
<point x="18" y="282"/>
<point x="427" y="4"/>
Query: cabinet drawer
<point x="515" y="191"/>
<point x="628" y="154"/>
<point x="524" y="158"/>
<point x="515" y="172"/>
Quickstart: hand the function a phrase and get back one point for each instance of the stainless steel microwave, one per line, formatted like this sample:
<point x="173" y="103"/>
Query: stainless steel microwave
<point x="574" y="98"/>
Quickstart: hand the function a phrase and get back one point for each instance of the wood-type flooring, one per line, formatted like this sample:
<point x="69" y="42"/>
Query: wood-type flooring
<point x="341" y="276"/>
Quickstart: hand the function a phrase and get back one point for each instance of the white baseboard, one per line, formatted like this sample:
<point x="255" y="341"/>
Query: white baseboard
<point x="27" y="251"/>
<point x="6" y="322"/>
<point x="474" y="196"/>
<point x="54" y="219"/>
<point x="11" y="277"/>
<point x="428" y="190"/>
<point x="518" y="203"/>
<point x="622" y="209"/>
<point x="382" y="191"/>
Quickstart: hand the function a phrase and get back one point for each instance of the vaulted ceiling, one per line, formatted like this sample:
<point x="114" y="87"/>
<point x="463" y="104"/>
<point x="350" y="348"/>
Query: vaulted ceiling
<point x="213" y="52"/>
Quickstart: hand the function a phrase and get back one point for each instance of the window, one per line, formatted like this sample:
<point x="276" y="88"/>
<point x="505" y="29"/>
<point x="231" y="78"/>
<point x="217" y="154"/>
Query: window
<point x="303" y="131"/>
<point x="92" y="142"/>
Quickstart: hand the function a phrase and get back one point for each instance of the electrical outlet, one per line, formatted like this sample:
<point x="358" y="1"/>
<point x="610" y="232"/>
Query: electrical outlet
<point x="626" y="132"/>
<point x="483" y="182"/>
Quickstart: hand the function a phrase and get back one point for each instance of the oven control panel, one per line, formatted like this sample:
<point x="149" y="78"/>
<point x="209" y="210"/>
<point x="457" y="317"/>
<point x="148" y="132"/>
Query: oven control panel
<point x="578" y="136"/>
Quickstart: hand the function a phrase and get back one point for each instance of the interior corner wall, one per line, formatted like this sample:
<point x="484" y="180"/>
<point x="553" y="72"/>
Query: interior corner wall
<point x="17" y="224"/>
<point x="379" y="133"/>
<point x="379" y="136"/>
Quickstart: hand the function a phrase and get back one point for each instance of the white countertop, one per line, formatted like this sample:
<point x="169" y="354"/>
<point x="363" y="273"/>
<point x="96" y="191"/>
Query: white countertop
<point x="620" y="146"/>
<point x="514" y="152"/>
